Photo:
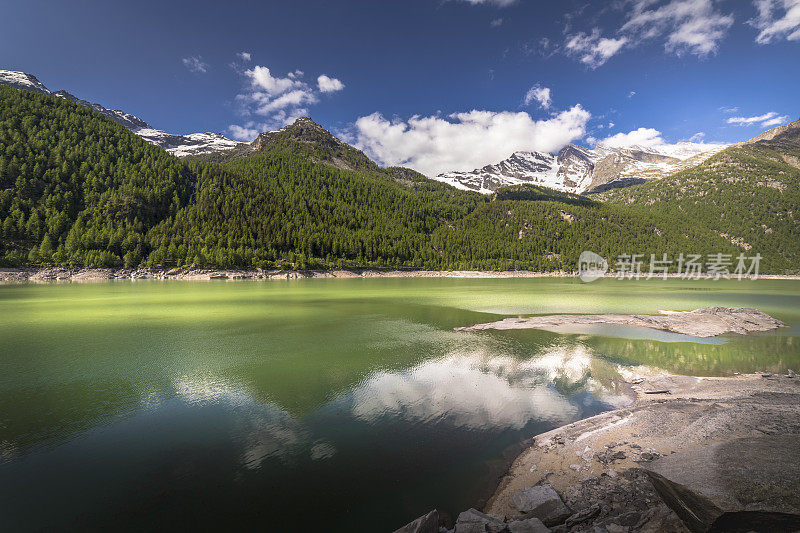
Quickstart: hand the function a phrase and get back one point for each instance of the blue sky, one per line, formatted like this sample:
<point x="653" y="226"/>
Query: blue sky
<point x="666" y="70"/>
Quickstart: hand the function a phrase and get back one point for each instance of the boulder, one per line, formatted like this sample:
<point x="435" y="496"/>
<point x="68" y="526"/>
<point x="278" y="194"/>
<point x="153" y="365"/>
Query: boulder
<point x="738" y="485"/>
<point x="474" y="521"/>
<point x="542" y="502"/>
<point x="428" y="523"/>
<point x="528" y="525"/>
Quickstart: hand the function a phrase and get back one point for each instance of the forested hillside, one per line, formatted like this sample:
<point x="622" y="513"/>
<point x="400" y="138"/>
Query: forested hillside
<point x="748" y="193"/>
<point x="79" y="190"/>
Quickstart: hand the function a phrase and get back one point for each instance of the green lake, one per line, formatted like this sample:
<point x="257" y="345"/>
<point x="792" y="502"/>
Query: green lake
<point x="319" y="405"/>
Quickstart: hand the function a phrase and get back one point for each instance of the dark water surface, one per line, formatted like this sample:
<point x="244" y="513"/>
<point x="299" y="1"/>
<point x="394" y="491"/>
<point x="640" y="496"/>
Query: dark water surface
<point x="330" y="405"/>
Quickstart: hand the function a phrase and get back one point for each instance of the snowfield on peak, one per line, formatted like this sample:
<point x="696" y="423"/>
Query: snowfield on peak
<point x="577" y="169"/>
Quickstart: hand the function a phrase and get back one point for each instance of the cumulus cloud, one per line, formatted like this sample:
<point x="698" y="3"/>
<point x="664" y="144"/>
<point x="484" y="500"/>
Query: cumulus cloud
<point x="247" y="132"/>
<point x="644" y="137"/>
<point x="592" y="49"/>
<point x="766" y="120"/>
<point x="195" y="64"/>
<point x="276" y="100"/>
<point x="539" y="94"/>
<point x="329" y="85"/>
<point x="777" y="19"/>
<point x="464" y="141"/>
<point x="652" y="139"/>
<point x="244" y="56"/>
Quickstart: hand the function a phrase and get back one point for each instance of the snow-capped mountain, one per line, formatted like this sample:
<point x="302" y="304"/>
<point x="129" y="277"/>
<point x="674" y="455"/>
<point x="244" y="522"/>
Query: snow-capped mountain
<point x="576" y="169"/>
<point x="176" y="144"/>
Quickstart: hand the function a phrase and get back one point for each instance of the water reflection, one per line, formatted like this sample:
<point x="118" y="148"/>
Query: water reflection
<point x="480" y="391"/>
<point x="470" y="390"/>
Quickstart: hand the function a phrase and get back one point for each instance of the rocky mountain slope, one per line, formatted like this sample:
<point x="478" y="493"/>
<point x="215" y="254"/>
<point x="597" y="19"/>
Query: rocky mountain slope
<point x="176" y="144"/>
<point x="577" y="169"/>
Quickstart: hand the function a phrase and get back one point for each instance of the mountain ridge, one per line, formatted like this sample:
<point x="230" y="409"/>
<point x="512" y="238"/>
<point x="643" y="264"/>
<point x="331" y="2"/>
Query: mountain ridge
<point x="180" y="145"/>
<point x="576" y="169"/>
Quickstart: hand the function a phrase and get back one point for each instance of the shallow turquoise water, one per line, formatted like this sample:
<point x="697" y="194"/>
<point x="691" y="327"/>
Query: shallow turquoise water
<point x="350" y="403"/>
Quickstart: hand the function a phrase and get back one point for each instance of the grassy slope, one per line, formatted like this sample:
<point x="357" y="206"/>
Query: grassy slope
<point x="750" y="192"/>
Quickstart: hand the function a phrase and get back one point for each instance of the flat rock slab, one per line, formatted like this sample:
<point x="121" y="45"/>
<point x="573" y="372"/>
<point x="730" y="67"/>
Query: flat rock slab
<point x="751" y="482"/>
<point x="542" y="502"/>
<point x="703" y="322"/>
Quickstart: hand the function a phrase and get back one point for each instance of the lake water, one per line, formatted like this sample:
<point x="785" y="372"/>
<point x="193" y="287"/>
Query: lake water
<point x="330" y="405"/>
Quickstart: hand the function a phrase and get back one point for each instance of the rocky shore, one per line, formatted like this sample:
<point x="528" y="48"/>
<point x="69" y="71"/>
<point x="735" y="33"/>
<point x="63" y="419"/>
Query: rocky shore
<point x="16" y="275"/>
<point x="689" y="454"/>
<point x="23" y="275"/>
<point x="703" y="322"/>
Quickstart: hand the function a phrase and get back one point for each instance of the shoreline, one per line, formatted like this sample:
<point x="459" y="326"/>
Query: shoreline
<point x="602" y="462"/>
<point x="58" y="274"/>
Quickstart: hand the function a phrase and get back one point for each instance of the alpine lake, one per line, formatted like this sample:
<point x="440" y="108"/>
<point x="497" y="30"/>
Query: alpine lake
<point x="320" y="404"/>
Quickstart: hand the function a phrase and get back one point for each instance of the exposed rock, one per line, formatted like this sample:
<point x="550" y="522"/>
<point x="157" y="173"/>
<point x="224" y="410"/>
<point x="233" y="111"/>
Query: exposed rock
<point x="474" y="521"/>
<point x="699" y="412"/>
<point x="542" y="502"/>
<point x="751" y="483"/>
<point x="428" y="523"/>
<point x="704" y="322"/>
<point x="583" y="515"/>
<point x="529" y="525"/>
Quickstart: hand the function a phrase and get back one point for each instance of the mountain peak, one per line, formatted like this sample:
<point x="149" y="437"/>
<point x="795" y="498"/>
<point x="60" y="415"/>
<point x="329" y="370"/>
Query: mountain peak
<point x="303" y="130"/>
<point x="22" y="80"/>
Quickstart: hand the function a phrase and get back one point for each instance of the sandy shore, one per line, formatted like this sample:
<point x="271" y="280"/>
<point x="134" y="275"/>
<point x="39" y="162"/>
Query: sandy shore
<point x="22" y="275"/>
<point x="595" y="461"/>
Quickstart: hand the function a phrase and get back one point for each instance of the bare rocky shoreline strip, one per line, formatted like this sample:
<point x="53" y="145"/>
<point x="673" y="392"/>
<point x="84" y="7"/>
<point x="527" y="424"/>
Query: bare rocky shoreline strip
<point x="688" y="454"/>
<point x="47" y="274"/>
<point x="703" y="322"/>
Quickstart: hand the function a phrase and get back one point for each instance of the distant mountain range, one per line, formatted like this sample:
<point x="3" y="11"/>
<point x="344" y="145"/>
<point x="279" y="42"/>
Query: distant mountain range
<point x="301" y="198"/>
<point x="576" y="169"/>
<point x="176" y="144"/>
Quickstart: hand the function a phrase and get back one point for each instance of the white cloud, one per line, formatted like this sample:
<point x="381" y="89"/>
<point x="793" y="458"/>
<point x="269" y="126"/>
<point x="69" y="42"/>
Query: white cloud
<point x="244" y="56"/>
<point x="767" y="119"/>
<point x="496" y="23"/>
<point x="729" y="110"/>
<point x="645" y="137"/>
<point x="631" y="94"/>
<point x="693" y="26"/>
<point x="279" y="99"/>
<point x="686" y="26"/>
<point x="540" y="94"/>
<point x="592" y="49"/>
<point x="329" y="85"/>
<point x="248" y="132"/>
<point x="652" y="139"/>
<point x="610" y="125"/>
<point x="498" y="3"/>
<point x="261" y="78"/>
<point x="464" y="141"/>
<point x="195" y="64"/>
<point x="777" y="19"/>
